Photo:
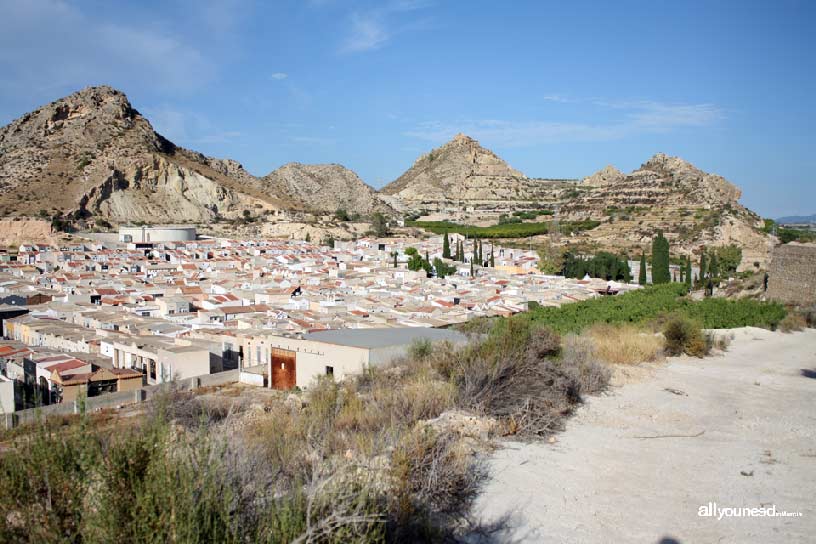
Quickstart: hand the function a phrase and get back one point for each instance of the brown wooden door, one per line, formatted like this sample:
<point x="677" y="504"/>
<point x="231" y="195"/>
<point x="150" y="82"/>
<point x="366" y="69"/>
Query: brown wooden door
<point x="284" y="373"/>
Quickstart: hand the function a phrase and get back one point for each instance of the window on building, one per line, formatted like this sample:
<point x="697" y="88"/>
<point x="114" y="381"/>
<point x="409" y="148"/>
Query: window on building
<point x="329" y="371"/>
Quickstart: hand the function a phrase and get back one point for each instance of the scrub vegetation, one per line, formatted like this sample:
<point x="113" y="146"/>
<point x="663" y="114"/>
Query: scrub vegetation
<point x="390" y="455"/>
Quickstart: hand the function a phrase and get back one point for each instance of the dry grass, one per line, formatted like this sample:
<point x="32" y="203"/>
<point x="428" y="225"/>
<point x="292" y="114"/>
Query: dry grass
<point x="793" y="322"/>
<point x="625" y="344"/>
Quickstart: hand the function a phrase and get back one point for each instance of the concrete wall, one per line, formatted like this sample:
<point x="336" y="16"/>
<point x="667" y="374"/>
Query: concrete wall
<point x="792" y="274"/>
<point x="157" y="234"/>
<point x="7" y="397"/>
<point x="116" y="400"/>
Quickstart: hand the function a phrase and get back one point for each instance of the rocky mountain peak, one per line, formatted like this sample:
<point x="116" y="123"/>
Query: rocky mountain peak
<point x="606" y="175"/>
<point x="324" y="188"/>
<point x="662" y="163"/>
<point x="460" y="169"/>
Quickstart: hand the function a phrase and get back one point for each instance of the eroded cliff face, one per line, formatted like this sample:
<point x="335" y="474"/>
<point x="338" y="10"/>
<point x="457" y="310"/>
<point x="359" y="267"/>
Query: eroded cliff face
<point x="93" y="153"/>
<point x="324" y="188"/>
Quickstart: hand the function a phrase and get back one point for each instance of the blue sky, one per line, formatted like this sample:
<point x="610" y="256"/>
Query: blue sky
<point x="558" y="89"/>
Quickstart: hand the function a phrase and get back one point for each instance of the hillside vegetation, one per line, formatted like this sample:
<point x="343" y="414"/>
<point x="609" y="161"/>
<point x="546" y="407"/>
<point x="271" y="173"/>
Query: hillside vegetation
<point x="390" y="455"/>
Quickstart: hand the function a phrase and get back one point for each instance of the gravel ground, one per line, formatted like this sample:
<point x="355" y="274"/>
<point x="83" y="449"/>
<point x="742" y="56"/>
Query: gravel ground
<point x="636" y="464"/>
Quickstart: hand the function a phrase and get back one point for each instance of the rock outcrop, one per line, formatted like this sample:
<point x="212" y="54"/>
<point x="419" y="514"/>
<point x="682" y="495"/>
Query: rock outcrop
<point x="693" y="208"/>
<point x="324" y="188"/>
<point x="92" y="153"/>
<point x="463" y="172"/>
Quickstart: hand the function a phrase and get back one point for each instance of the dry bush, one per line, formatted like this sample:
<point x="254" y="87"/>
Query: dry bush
<point x="515" y="377"/>
<point x="793" y="322"/>
<point x="718" y="341"/>
<point x="578" y="355"/>
<point x="625" y="344"/>
<point x="683" y="335"/>
<point x="810" y="316"/>
<point x="433" y="477"/>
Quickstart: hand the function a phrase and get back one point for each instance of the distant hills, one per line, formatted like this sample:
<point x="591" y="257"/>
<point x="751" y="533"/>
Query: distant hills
<point x="798" y="219"/>
<point x="93" y="155"/>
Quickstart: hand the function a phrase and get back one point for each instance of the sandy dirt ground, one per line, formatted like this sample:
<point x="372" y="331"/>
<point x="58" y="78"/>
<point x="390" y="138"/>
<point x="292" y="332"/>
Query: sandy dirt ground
<point x="739" y="431"/>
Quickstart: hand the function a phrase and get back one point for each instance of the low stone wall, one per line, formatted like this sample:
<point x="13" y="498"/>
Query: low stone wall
<point x="792" y="274"/>
<point x="117" y="400"/>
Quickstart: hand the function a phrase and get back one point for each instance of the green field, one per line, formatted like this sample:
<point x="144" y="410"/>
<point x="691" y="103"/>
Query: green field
<point x="510" y="230"/>
<point x="654" y="301"/>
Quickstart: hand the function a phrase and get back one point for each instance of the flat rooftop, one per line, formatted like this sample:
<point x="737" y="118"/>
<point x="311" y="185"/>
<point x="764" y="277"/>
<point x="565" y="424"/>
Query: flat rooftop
<point x="380" y="338"/>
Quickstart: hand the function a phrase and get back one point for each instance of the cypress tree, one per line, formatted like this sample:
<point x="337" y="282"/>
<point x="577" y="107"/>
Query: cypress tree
<point x="395" y="259"/>
<point x="714" y="266"/>
<point x="427" y="260"/>
<point x="475" y="252"/>
<point x="472" y="273"/>
<point x="492" y="260"/>
<point x="481" y="253"/>
<point x="688" y="274"/>
<point x="642" y="273"/>
<point x="703" y="265"/>
<point x="660" y="259"/>
<point x="446" y="254"/>
<point x="308" y="237"/>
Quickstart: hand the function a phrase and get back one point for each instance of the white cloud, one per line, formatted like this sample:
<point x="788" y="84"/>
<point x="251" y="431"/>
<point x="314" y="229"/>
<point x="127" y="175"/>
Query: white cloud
<point x="185" y="128"/>
<point x="47" y="45"/>
<point x="367" y="32"/>
<point x="312" y="140"/>
<point x="278" y="76"/>
<point x="639" y="118"/>
<point x="372" y="30"/>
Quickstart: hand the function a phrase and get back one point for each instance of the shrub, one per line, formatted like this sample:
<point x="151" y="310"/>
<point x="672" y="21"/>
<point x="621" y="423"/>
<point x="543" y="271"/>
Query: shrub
<point x="420" y="349"/>
<point x="793" y="322"/>
<point x="578" y="356"/>
<point x="683" y="335"/>
<point x="544" y="342"/>
<point x="625" y="344"/>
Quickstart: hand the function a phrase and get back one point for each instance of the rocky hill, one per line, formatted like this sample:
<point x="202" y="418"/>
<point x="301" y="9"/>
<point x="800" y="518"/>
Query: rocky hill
<point x="323" y="188"/>
<point x="93" y="154"/>
<point x="463" y="172"/>
<point x="692" y="207"/>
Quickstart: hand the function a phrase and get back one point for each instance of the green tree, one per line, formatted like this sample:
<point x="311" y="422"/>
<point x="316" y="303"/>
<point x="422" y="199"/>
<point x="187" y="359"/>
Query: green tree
<point x="714" y="266"/>
<point x="729" y="258"/>
<point x="492" y="259"/>
<point x="308" y="236"/>
<point x="472" y="273"/>
<point x="442" y="268"/>
<point x="660" y="260"/>
<point x="642" y="273"/>
<point x="380" y="225"/>
<point x="688" y="274"/>
<point x="446" y="254"/>
<point x="703" y="265"/>
<point x="395" y="259"/>
<point x="341" y="215"/>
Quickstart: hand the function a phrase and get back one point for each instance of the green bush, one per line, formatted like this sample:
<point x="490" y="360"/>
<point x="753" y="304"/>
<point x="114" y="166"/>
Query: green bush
<point x="647" y="304"/>
<point x="684" y="335"/>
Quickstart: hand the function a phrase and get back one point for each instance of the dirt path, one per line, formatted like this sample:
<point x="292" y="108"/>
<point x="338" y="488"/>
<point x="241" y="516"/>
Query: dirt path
<point x="756" y="409"/>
